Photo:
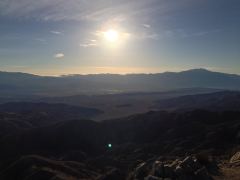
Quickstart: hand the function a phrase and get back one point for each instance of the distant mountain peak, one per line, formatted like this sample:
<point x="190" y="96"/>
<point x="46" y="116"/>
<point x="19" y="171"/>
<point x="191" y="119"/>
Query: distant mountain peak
<point x="198" y="70"/>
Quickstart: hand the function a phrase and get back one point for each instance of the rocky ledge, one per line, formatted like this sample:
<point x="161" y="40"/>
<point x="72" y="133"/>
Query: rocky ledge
<point x="190" y="168"/>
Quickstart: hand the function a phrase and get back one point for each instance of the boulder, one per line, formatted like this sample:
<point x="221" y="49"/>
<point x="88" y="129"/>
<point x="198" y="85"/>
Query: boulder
<point x="174" y="164"/>
<point x="187" y="165"/>
<point x="188" y="169"/>
<point x="187" y="162"/>
<point x="235" y="159"/>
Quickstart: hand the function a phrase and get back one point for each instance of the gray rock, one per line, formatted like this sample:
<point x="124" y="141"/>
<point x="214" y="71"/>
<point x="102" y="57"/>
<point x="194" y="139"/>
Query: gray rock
<point x="187" y="165"/>
<point x="188" y="169"/>
<point x="188" y="161"/>
<point x="174" y="164"/>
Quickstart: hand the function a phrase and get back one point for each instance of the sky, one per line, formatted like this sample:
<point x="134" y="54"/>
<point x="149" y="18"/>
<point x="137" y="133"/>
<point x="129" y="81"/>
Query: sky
<point x="56" y="37"/>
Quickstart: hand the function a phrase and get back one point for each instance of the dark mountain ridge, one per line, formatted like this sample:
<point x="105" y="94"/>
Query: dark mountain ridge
<point x="24" y="115"/>
<point x="216" y="101"/>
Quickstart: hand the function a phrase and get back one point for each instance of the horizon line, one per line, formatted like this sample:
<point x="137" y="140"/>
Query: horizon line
<point x="120" y="74"/>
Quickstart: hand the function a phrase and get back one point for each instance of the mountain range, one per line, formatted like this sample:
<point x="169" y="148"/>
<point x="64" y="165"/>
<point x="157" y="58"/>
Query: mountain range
<point x="20" y="85"/>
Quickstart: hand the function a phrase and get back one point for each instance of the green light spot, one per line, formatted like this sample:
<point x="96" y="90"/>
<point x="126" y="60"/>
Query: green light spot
<point x="109" y="145"/>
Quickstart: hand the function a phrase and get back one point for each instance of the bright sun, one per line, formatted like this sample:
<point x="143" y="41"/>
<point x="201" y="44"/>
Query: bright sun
<point x="111" y="35"/>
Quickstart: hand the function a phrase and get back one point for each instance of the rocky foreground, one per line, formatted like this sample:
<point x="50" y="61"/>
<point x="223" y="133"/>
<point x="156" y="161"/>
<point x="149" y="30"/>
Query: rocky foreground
<point x="196" y="145"/>
<point x="192" y="167"/>
<point x="188" y="168"/>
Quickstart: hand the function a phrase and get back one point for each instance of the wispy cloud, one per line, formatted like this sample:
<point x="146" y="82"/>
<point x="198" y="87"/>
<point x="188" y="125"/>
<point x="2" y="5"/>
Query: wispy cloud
<point x="203" y="33"/>
<point x="56" y="32"/>
<point x="55" y="10"/>
<point x="175" y="33"/>
<point x="181" y="33"/>
<point x="87" y="45"/>
<point x="146" y="25"/>
<point x="59" y="55"/>
<point x="146" y="35"/>
<point x="40" y="40"/>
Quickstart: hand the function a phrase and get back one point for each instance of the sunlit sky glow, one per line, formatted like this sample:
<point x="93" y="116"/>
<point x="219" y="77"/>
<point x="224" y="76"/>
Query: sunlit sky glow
<point x="53" y="37"/>
<point x="111" y="35"/>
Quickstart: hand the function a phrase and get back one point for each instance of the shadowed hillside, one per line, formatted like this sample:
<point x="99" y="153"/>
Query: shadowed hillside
<point x="24" y="115"/>
<point x="134" y="139"/>
<point x="217" y="101"/>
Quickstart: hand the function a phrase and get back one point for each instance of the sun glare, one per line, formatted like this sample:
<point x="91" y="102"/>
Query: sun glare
<point x="111" y="35"/>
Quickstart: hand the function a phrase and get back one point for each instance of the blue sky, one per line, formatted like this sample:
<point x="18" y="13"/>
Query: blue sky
<point x="54" y="37"/>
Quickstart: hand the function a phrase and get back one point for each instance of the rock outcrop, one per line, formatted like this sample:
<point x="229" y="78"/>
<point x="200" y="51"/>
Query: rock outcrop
<point x="189" y="168"/>
<point x="235" y="159"/>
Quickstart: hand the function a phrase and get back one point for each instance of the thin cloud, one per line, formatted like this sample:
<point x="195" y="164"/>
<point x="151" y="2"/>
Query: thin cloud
<point x="87" y="45"/>
<point x="144" y="36"/>
<point x="203" y="33"/>
<point x="56" y="32"/>
<point x="59" y="55"/>
<point x="57" y="10"/>
<point x="146" y="25"/>
<point x="40" y="40"/>
<point x="181" y="33"/>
